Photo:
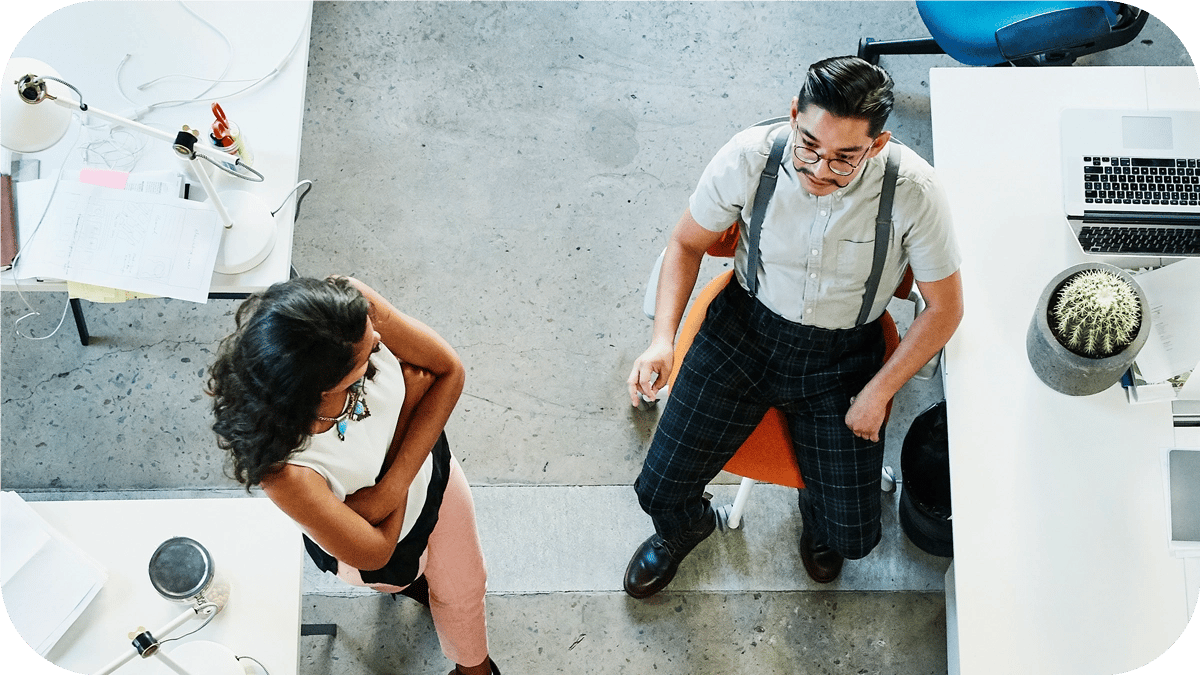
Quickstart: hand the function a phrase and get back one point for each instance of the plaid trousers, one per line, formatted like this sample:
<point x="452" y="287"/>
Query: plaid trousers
<point x="744" y="360"/>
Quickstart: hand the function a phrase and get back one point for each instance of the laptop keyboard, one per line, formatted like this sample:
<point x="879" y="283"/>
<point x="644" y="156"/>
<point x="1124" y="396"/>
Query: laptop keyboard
<point x="1138" y="180"/>
<point x="1164" y="241"/>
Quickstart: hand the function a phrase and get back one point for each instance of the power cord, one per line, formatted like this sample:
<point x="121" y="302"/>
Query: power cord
<point x="209" y="617"/>
<point x="251" y="658"/>
<point x="138" y="112"/>
<point x="17" y="259"/>
<point x="299" y="199"/>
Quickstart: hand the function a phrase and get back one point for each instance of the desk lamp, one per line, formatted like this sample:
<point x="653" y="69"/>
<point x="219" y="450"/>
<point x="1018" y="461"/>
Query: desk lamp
<point x="30" y="125"/>
<point x="182" y="570"/>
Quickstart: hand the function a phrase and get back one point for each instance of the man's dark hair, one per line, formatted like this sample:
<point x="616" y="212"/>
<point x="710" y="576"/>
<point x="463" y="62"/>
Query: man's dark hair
<point x="847" y="86"/>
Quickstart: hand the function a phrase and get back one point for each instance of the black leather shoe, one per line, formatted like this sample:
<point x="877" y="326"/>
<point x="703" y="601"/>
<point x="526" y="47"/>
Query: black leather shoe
<point x="651" y="568"/>
<point x="822" y="563"/>
<point x="655" y="562"/>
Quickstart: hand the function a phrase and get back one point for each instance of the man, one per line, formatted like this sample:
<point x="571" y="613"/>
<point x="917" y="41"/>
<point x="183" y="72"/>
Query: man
<point x="794" y="344"/>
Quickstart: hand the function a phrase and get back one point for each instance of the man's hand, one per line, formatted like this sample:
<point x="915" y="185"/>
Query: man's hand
<point x="677" y="277"/>
<point x="866" y="415"/>
<point x="651" y="371"/>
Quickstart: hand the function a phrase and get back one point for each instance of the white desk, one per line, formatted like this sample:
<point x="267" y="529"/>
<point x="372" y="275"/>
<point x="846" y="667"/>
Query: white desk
<point x="1061" y="561"/>
<point x="253" y="545"/>
<point x="86" y="43"/>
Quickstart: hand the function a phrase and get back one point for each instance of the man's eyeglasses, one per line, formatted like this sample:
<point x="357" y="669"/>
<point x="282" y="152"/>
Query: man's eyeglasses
<point x="839" y="166"/>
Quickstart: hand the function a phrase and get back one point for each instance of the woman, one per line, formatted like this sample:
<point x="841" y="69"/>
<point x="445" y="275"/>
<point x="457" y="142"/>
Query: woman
<point x="335" y="402"/>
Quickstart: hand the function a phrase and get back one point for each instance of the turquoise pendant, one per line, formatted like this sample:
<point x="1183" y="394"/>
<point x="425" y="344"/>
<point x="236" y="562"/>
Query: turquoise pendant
<point x="341" y="429"/>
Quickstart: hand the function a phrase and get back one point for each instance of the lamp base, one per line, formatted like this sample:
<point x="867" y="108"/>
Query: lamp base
<point x="201" y="657"/>
<point x="252" y="236"/>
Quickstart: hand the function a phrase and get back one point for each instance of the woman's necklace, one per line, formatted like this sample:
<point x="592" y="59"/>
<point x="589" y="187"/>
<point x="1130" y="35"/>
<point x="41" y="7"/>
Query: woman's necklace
<point x="355" y="409"/>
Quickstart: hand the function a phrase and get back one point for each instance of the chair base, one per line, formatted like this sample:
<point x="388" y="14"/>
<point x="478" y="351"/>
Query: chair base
<point x="870" y="49"/>
<point x="1131" y="22"/>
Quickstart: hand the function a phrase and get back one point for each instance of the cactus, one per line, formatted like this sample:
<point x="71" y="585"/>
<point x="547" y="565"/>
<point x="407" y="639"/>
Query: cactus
<point x="1096" y="314"/>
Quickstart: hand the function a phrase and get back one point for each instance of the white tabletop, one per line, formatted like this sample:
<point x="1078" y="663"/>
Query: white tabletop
<point x="1061" y="553"/>
<point x="253" y="545"/>
<point x="87" y="42"/>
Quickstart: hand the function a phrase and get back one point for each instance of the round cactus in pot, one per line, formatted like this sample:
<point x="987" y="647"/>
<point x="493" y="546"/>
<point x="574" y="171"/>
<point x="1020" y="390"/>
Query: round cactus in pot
<point x="1096" y="313"/>
<point x="1090" y="322"/>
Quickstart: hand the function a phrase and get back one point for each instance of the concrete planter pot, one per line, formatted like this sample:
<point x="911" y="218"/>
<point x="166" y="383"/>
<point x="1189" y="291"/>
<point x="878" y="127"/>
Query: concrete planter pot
<point x="1069" y="372"/>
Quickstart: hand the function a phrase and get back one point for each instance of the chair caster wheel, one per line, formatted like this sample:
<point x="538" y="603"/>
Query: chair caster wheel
<point x="723" y="514"/>
<point x="646" y="403"/>
<point x="887" y="481"/>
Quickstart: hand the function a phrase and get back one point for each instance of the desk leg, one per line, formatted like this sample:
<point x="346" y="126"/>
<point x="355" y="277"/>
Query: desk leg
<point x="80" y="322"/>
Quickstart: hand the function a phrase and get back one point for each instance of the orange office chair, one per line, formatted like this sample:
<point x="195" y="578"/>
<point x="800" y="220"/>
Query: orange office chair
<point x="767" y="455"/>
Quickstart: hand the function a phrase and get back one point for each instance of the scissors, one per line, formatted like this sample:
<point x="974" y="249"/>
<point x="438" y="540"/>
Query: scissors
<point x="220" y="128"/>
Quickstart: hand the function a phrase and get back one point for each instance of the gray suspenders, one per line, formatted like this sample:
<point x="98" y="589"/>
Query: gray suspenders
<point x="762" y="197"/>
<point x="883" y="221"/>
<point x="883" y="232"/>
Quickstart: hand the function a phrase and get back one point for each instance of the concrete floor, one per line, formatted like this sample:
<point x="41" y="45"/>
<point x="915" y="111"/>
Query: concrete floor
<point x="507" y="172"/>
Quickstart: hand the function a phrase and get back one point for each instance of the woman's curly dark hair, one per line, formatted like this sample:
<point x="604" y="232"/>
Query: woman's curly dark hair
<point x="293" y="341"/>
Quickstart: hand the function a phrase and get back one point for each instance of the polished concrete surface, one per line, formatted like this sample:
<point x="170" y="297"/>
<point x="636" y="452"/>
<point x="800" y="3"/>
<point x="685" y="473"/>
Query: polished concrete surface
<point x="507" y="172"/>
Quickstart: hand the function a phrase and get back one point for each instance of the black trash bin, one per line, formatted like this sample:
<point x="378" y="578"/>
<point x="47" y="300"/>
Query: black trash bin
<point x="925" y="487"/>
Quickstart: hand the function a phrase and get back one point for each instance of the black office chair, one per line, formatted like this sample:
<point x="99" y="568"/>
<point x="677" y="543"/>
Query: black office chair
<point x="988" y="33"/>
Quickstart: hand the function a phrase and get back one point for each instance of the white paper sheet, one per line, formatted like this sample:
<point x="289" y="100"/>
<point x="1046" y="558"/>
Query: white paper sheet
<point x="134" y="241"/>
<point x="1174" y="345"/>
<point x="54" y="580"/>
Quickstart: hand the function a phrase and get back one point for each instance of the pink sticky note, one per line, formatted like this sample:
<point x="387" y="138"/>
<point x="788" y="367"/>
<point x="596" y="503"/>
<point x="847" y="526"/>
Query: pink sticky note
<point x="104" y="178"/>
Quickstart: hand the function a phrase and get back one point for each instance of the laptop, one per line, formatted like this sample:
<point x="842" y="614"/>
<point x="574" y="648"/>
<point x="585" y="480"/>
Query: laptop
<point x="1131" y="181"/>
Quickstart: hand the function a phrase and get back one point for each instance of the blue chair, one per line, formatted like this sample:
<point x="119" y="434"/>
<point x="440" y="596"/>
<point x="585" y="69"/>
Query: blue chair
<point x="988" y="33"/>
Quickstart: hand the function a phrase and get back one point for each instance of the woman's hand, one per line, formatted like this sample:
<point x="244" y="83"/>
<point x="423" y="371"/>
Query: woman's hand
<point x="371" y="502"/>
<point x="417" y="381"/>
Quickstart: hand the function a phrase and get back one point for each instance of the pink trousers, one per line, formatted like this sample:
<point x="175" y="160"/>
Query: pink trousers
<point x="454" y="567"/>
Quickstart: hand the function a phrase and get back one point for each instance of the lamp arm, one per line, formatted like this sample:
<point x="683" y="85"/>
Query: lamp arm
<point x="202" y="174"/>
<point x="215" y="156"/>
<point x="170" y="663"/>
<point x="133" y="651"/>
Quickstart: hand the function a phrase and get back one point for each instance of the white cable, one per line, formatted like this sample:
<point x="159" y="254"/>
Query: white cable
<point x="292" y="192"/>
<point x="251" y="658"/>
<point x="17" y="258"/>
<point x="142" y="110"/>
<point x="165" y="104"/>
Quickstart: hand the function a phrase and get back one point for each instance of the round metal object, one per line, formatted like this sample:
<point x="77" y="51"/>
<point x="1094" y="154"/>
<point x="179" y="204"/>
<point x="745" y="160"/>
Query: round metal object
<point x="181" y="569"/>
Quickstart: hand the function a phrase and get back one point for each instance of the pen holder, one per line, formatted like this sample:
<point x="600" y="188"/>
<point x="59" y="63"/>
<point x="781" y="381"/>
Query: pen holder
<point x="230" y="150"/>
<point x="234" y="143"/>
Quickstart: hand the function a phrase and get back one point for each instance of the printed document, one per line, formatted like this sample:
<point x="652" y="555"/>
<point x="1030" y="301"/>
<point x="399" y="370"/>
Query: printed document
<point x="135" y="241"/>
<point x="1174" y="295"/>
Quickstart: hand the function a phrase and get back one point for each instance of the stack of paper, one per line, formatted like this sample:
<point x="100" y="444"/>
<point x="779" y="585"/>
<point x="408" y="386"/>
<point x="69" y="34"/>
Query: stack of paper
<point x="143" y="241"/>
<point x="1173" y="349"/>
<point x="47" y="581"/>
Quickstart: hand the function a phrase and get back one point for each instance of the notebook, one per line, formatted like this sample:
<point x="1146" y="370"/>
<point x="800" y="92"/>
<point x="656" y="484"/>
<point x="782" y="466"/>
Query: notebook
<point x="8" y="223"/>
<point x="1131" y="181"/>
<point x="1181" y="470"/>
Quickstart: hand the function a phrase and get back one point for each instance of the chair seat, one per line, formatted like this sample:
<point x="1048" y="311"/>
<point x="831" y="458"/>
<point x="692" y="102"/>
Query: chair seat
<point x="767" y="455"/>
<point x="990" y="33"/>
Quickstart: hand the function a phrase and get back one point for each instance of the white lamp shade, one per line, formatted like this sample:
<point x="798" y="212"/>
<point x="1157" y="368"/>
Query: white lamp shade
<point x="25" y="127"/>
